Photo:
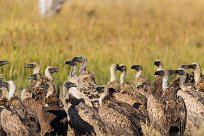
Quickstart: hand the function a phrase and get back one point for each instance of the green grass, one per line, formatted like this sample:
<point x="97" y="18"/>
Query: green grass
<point x="106" y="32"/>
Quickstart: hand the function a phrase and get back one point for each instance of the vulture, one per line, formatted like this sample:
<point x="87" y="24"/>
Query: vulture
<point x="83" y="118"/>
<point x="113" y="83"/>
<point x="194" y="102"/>
<point x="139" y="78"/>
<point x="199" y="81"/>
<point x="120" y="117"/>
<point x="36" y="70"/>
<point x="3" y="90"/>
<point x="167" y="113"/>
<point x="72" y="77"/>
<point x="16" y="119"/>
<point x="129" y="95"/>
<point x="48" y="108"/>
<point x="86" y="82"/>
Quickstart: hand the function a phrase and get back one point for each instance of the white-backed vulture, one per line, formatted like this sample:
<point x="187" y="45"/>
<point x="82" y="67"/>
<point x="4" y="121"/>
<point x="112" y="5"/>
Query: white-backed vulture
<point x="83" y="61"/>
<point x="194" y="102"/>
<point x="83" y="118"/>
<point x="35" y="66"/>
<point x="36" y="70"/>
<point x="168" y="113"/>
<point x="49" y="111"/>
<point x="113" y="83"/>
<point x="72" y="77"/>
<point x="139" y="78"/>
<point x="15" y="118"/>
<point x="120" y="117"/>
<point x="48" y="74"/>
<point x="129" y="95"/>
<point x="156" y="87"/>
<point x="199" y="81"/>
<point x="86" y="81"/>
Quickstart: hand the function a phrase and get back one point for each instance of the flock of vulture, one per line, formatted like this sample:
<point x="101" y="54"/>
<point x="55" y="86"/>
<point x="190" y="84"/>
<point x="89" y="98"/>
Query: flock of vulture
<point x="115" y="109"/>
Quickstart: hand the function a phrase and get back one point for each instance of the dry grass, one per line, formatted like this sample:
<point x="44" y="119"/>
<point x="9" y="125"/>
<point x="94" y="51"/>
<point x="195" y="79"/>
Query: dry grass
<point x="108" y="31"/>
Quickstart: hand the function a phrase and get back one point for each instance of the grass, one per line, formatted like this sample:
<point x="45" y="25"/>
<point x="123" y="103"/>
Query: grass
<point x="105" y="32"/>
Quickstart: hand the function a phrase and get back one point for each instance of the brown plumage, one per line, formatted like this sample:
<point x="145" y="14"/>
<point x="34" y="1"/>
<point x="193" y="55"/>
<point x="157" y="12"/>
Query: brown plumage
<point x="83" y="61"/>
<point x="50" y="80"/>
<point x="120" y="117"/>
<point x="142" y="84"/>
<point x="34" y="81"/>
<point x="156" y="87"/>
<point x="194" y="101"/>
<point x="129" y="95"/>
<point x="85" y="81"/>
<point x="49" y="110"/>
<point x="16" y="119"/>
<point x="50" y="118"/>
<point x="114" y="84"/>
<point x="72" y="77"/>
<point x="175" y="83"/>
<point x="3" y="105"/>
<point x="91" y="116"/>
<point x="83" y="119"/>
<point x="167" y="113"/>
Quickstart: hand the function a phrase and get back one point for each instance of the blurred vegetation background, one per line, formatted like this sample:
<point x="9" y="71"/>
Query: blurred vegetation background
<point x="105" y="31"/>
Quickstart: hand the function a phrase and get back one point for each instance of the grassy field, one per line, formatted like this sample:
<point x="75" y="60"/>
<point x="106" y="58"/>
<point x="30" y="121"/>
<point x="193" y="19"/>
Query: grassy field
<point x="106" y="32"/>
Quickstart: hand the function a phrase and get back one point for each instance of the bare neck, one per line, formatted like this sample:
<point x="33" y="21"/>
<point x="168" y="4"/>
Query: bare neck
<point x="72" y="72"/>
<point x="50" y="91"/>
<point x="122" y="77"/>
<point x="138" y="74"/>
<point x="197" y="75"/>
<point x="83" y="66"/>
<point x="160" y="67"/>
<point x="48" y="75"/>
<point x="165" y="83"/>
<point x="36" y="70"/>
<point x="112" y="74"/>
<point x="11" y="92"/>
<point x="182" y="82"/>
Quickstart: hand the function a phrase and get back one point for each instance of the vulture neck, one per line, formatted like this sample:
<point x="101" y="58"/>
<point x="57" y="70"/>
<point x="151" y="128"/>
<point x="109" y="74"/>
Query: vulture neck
<point x="83" y="67"/>
<point x="182" y="82"/>
<point x="197" y="75"/>
<point x="137" y="76"/>
<point x="48" y="74"/>
<point x="36" y="70"/>
<point x="12" y="90"/>
<point x="165" y="83"/>
<point x="50" y="91"/>
<point x="72" y="72"/>
<point x="122" y="77"/>
<point x="160" y="67"/>
<point x="113" y="74"/>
